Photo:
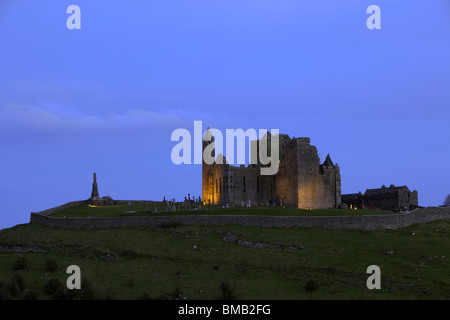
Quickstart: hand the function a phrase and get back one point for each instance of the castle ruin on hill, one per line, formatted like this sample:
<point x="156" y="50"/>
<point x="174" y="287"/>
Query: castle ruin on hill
<point x="302" y="181"/>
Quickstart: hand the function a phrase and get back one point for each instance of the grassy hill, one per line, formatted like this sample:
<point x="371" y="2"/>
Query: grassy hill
<point x="198" y="262"/>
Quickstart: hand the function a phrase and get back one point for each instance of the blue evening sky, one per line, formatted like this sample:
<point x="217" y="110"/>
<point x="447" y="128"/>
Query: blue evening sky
<point x="106" y="98"/>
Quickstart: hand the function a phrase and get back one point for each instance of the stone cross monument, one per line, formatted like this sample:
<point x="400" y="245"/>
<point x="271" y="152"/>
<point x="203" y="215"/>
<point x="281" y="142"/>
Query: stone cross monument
<point x="94" y="194"/>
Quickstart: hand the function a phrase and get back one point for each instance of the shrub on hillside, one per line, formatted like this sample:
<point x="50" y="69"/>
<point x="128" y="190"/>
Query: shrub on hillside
<point x="53" y="285"/>
<point x="19" y="281"/>
<point x="87" y="291"/>
<point x="5" y="295"/>
<point x="50" y="265"/>
<point x="227" y="292"/>
<point x="311" y="286"/>
<point x="30" y="295"/>
<point x="12" y="288"/>
<point x="20" y="263"/>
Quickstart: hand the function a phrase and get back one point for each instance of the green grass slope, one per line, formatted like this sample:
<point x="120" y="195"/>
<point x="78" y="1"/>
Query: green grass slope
<point x="198" y="262"/>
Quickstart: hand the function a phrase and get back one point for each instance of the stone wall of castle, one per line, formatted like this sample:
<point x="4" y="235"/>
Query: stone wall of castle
<point x="286" y="185"/>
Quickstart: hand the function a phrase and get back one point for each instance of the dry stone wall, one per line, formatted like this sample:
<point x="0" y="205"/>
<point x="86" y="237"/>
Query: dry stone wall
<point x="366" y="222"/>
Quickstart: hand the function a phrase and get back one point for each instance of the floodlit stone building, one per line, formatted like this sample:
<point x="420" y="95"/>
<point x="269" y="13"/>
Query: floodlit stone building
<point x="301" y="181"/>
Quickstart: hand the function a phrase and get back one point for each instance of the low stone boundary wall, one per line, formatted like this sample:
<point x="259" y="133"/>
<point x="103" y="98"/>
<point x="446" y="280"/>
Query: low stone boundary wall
<point x="366" y="222"/>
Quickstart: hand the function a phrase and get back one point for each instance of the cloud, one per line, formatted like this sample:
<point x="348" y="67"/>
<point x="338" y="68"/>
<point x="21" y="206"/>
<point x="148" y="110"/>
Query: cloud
<point x="44" y="120"/>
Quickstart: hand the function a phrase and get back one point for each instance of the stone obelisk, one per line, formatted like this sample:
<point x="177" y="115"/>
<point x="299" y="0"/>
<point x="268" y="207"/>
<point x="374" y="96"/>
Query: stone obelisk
<point x="94" y="194"/>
